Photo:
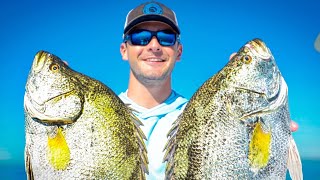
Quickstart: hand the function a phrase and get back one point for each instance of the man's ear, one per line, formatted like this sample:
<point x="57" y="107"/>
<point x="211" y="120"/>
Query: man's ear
<point x="124" y="51"/>
<point x="179" y="52"/>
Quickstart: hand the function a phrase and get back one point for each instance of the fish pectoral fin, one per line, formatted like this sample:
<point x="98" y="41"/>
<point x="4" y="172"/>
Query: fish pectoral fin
<point x="259" y="147"/>
<point x="58" y="151"/>
<point x="28" y="166"/>
<point x="294" y="161"/>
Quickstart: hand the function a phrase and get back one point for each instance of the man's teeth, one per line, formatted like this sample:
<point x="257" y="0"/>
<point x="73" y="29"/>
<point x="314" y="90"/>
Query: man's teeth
<point x="155" y="60"/>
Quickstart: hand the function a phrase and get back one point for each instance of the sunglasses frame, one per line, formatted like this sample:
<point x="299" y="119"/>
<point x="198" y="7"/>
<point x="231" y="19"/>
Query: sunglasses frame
<point x="128" y="37"/>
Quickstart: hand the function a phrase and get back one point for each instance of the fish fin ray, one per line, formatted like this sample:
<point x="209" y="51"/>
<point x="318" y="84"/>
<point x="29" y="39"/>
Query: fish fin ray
<point x="28" y="166"/>
<point x="294" y="161"/>
<point x="142" y="146"/>
<point x="170" y="148"/>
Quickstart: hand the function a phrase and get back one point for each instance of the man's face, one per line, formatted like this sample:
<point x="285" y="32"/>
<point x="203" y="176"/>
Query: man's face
<point x="153" y="61"/>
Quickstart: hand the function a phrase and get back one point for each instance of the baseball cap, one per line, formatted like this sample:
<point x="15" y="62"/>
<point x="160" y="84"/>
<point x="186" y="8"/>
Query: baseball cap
<point x="151" y="11"/>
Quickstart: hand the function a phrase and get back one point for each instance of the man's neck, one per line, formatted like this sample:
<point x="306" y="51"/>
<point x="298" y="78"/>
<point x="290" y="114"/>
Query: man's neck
<point x="149" y="95"/>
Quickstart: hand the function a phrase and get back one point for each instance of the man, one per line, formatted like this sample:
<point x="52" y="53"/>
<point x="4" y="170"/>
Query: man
<point x="152" y="59"/>
<point x="152" y="47"/>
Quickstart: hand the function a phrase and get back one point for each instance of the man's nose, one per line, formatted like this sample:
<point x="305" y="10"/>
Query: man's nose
<point x="154" y="45"/>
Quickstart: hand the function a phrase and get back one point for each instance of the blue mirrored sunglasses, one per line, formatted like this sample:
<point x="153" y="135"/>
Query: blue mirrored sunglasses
<point x="142" y="37"/>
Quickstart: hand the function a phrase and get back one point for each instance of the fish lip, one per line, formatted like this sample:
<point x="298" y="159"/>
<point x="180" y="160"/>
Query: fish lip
<point x="57" y="96"/>
<point x="281" y="90"/>
<point x="275" y="101"/>
<point x="29" y="96"/>
<point x="50" y="122"/>
<point x="40" y="60"/>
<point x="277" y="94"/>
<point x="259" y="49"/>
<point x="36" y="110"/>
<point x="280" y="97"/>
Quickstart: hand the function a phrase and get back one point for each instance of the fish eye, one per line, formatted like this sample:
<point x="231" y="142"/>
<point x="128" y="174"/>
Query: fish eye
<point x="246" y="59"/>
<point x="54" y="67"/>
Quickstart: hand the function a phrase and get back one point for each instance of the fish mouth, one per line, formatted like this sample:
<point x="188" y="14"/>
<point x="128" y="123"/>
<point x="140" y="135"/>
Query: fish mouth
<point x="259" y="48"/>
<point x="40" y="60"/>
<point x="275" y="101"/>
<point x="280" y="97"/>
<point x="38" y="111"/>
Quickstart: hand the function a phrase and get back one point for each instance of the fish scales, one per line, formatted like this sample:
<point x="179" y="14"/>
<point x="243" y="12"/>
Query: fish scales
<point x="236" y="125"/>
<point x="77" y="127"/>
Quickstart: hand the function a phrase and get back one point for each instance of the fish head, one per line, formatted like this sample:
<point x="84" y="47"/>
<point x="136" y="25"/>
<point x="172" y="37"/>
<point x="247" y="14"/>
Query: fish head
<point x="255" y="69"/>
<point x="52" y="96"/>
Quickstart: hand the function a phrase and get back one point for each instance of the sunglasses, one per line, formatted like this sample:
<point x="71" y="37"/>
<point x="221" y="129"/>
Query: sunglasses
<point x="143" y="37"/>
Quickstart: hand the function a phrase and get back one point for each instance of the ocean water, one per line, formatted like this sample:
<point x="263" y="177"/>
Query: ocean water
<point x="311" y="170"/>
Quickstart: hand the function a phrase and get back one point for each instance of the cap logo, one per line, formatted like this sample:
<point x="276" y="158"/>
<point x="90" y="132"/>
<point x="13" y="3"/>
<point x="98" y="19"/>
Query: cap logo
<point x="152" y="8"/>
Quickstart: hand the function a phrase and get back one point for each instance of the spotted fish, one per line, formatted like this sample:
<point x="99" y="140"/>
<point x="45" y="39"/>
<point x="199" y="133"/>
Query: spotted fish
<point x="77" y="128"/>
<point x="237" y="124"/>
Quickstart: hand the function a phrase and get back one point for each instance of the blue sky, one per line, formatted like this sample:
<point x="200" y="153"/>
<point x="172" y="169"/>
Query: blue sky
<point x="88" y="35"/>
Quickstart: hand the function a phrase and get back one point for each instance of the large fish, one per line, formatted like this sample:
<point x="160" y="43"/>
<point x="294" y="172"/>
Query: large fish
<point x="78" y="128"/>
<point x="237" y="124"/>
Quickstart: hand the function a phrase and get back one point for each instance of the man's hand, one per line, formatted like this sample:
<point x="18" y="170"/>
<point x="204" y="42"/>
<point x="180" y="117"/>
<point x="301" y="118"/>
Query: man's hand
<point x="293" y="125"/>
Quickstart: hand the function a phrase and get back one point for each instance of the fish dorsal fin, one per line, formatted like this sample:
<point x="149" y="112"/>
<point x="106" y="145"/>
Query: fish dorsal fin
<point x="259" y="147"/>
<point x="294" y="162"/>
<point x="59" y="152"/>
<point x="170" y="148"/>
<point x="141" y="137"/>
<point x="143" y="149"/>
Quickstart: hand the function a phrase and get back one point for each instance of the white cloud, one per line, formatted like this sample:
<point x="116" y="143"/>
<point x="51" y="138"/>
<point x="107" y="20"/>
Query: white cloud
<point x="4" y="154"/>
<point x="317" y="43"/>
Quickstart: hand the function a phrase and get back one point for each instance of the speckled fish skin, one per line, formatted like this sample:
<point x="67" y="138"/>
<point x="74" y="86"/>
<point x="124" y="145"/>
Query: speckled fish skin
<point x="77" y="128"/>
<point x="214" y="137"/>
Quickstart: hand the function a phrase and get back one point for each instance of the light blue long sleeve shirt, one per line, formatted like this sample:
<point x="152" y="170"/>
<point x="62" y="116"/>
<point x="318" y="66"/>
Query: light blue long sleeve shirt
<point x="157" y="122"/>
